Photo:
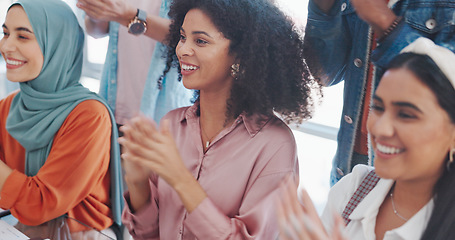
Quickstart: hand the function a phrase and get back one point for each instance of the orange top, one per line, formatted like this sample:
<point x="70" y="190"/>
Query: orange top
<point x="75" y="177"/>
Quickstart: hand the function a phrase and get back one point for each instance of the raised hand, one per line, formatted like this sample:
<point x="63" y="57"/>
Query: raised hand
<point x="300" y="220"/>
<point x="376" y="13"/>
<point x="108" y="10"/>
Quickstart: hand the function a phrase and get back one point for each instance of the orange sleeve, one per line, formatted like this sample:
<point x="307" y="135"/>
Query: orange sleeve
<point x="75" y="177"/>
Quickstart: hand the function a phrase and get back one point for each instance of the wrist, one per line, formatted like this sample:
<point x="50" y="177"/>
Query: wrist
<point x="128" y="16"/>
<point x="383" y="23"/>
<point x="389" y="30"/>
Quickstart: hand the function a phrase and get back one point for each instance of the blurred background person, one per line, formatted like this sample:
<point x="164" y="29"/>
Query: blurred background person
<point x="132" y="78"/>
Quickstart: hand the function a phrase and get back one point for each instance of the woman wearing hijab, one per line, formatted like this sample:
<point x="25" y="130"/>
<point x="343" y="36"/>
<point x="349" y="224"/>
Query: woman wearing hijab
<point x="409" y="193"/>
<point x="60" y="159"/>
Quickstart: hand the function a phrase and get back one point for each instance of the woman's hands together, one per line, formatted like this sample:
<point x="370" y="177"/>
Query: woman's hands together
<point x="299" y="219"/>
<point x="147" y="149"/>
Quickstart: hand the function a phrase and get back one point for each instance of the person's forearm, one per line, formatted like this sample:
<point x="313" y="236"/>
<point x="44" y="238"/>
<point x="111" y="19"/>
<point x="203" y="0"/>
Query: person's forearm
<point x="157" y="28"/>
<point x="96" y="28"/>
<point x="383" y="22"/>
<point x="139" y="194"/>
<point x="190" y="192"/>
<point x="324" y="5"/>
<point x="5" y="171"/>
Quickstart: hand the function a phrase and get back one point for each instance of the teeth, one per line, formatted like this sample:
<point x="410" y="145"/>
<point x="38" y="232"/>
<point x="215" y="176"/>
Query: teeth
<point x="12" y="62"/>
<point x="388" y="150"/>
<point x="188" y="67"/>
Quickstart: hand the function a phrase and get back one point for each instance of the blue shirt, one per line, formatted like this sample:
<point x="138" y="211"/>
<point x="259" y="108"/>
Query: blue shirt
<point x="155" y="102"/>
<point x="341" y="42"/>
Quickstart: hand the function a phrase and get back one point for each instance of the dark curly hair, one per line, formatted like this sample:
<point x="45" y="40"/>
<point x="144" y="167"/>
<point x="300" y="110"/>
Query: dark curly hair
<point x="273" y="75"/>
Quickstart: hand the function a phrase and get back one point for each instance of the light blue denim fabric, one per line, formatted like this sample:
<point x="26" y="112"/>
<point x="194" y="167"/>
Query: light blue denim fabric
<point x="341" y="40"/>
<point x="155" y="102"/>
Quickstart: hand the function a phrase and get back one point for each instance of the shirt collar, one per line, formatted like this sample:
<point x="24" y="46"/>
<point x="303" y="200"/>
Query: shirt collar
<point x="414" y="227"/>
<point x="253" y="123"/>
<point x="368" y="208"/>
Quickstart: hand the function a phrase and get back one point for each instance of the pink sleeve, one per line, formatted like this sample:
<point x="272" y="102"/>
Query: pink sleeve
<point x="207" y="222"/>
<point x="257" y="217"/>
<point x="143" y="224"/>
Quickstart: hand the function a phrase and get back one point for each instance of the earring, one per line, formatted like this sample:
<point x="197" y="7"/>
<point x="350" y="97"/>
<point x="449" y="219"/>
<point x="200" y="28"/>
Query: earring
<point x="235" y="69"/>
<point x="449" y="163"/>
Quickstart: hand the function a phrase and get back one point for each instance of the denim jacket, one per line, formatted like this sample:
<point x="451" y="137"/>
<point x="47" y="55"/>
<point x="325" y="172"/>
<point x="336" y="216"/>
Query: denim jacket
<point x="341" y="41"/>
<point x="155" y="102"/>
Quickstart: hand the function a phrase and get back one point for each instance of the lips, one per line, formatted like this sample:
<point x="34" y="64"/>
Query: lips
<point x="187" y="68"/>
<point x="388" y="150"/>
<point x="14" y="63"/>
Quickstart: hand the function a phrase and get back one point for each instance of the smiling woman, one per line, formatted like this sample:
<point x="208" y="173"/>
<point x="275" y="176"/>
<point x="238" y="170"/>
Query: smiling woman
<point x="22" y="52"/>
<point x="409" y="195"/>
<point x="212" y="170"/>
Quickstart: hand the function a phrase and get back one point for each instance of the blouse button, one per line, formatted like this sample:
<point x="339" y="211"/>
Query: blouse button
<point x="430" y="23"/>
<point x="343" y="6"/>
<point x="348" y="119"/>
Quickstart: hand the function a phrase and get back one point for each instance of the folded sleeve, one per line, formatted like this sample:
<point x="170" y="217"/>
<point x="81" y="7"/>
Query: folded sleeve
<point x="257" y="216"/>
<point x="143" y="224"/>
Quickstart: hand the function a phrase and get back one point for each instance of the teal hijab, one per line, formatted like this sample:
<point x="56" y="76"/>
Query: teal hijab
<point x="42" y="105"/>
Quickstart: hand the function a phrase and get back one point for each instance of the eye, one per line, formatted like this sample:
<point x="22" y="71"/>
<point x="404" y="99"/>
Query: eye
<point x="201" y="41"/>
<point x="406" y="115"/>
<point x="377" y="108"/>
<point x="5" y="34"/>
<point x="22" y="37"/>
<point x="182" y="38"/>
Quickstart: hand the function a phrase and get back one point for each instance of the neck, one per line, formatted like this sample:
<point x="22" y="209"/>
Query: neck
<point x="213" y="118"/>
<point x="412" y="196"/>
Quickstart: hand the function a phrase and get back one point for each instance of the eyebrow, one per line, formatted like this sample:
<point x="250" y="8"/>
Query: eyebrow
<point x="19" y="29"/>
<point x="198" y="32"/>
<point x="400" y="104"/>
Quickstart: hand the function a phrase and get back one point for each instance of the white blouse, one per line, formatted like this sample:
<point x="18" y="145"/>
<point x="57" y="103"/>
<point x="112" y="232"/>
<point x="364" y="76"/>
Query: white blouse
<point x="363" y="218"/>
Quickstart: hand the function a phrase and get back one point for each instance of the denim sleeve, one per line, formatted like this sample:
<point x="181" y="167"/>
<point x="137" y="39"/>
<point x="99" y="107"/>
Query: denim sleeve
<point x="402" y="36"/>
<point x="414" y="25"/>
<point x="328" y="42"/>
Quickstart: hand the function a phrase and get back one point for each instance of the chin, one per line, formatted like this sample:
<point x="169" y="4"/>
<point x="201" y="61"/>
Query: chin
<point x="383" y="171"/>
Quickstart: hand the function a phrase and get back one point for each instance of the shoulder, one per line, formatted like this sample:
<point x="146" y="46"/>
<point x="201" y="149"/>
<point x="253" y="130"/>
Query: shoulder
<point x="89" y="113"/>
<point x="178" y="113"/>
<point x="348" y="184"/>
<point x="277" y="131"/>
<point x="5" y="103"/>
<point x="342" y="191"/>
<point x="90" y="107"/>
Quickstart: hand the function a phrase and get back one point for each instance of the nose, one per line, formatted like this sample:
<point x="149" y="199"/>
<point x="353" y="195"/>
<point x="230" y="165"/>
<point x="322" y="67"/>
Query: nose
<point x="6" y="45"/>
<point x="184" y="49"/>
<point x="380" y="125"/>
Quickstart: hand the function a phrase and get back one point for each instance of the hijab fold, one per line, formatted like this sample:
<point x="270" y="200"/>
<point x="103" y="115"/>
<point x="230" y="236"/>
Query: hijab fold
<point x="42" y="105"/>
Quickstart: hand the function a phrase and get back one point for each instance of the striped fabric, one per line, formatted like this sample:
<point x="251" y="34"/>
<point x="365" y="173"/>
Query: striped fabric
<point x="365" y="187"/>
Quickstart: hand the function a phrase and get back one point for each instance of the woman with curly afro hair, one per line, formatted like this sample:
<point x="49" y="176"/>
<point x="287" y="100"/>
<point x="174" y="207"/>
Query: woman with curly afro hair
<point x="212" y="170"/>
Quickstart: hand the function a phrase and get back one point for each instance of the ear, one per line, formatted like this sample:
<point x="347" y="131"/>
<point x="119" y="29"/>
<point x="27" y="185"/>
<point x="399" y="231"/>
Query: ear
<point x="452" y="140"/>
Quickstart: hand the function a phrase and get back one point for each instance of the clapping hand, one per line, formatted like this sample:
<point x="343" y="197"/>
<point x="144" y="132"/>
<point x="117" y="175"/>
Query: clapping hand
<point x="300" y="220"/>
<point x="146" y="146"/>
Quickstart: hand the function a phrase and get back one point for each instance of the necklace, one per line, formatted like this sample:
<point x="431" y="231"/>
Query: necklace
<point x="207" y="143"/>
<point x="393" y="206"/>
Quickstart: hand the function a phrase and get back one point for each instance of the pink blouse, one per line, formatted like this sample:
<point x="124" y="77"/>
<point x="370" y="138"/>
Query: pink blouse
<point x="240" y="172"/>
